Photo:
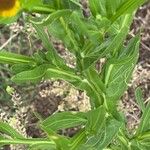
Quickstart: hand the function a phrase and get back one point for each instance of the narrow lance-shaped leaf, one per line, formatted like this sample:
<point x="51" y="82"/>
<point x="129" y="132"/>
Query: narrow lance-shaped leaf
<point x="12" y="58"/>
<point x="137" y="145"/>
<point x="96" y="84"/>
<point x="54" y="16"/>
<point x="110" y="46"/>
<point x="28" y="142"/>
<point x="68" y="75"/>
<point x="29" y="4"/>
<point x="44" y="146"/>
<point x="8" y="130"/>
<point x="55" y="58"/>
<point x="62" y="29"/>
<point x="63" y="4"/>
<point x="78" y="140"/>
<point x="102" y="139"/>
<point x="60" y="140"/>
<point x="145" y="121"/>
<point x="17" y="68"/>
<point x="97" y="7"/>
<point x="111" y="130"/>
<point x="92" y="75"/>
<point x="128" y="6"/>
<point x="64" y="120"/>
<point x="96" y="120"/>
<point x="33" y="75"/>
<point x="118" y="71"/>
<point x="139" y="99"/>
<point x="95" y="97"/>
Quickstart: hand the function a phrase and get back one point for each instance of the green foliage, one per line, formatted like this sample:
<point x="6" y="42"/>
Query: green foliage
<point x="145" y="121"/>
<point x="103" y="138"/>
<point x="64" y="120"/>
<point x="101" y="35"/>
<point x="139" y="99"/>
<point x="8" y="130"/>
<point x="11" y="58"/>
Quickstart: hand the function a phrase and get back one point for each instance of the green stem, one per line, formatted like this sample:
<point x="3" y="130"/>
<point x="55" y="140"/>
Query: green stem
<point x="105" y="102"/>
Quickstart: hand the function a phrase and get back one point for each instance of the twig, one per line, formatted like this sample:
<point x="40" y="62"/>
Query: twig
<point x="145" y="46"/>
<point x="8" y="41"/>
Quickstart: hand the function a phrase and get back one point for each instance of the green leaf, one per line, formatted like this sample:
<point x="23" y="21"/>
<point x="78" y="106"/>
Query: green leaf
<point x="28" y="142"/>
<point x="33" y="75"/>
<point x="95" y="98"/>
<point x="94" y="6"/>
<point x="77" y="140"/>
<point x="128" y="6"/>
<point x="55" y="58"/>
<point x="145" y="121"/>
<point x="42" y="147"/>
<point x="143" y="140"/>
<point x="61" y="141"/>
<point x="136" y="145"/>
<point x="111" y="130"/>
<point x="105" y="8"/>
<point x="94" y="86"/>
<point x="36" y="6"/>
<point x="144" y="136"/>
<point x="96" y="119"/>
<point x="63" y="4"/>
<point x="17" y="68"/>
<point x="104" y="138"/>
<point x="139" y="99"/>
<point x="99" y="52"/>
<point x="12" y="58"/>
<point x="40" y="57"/>
<point x="47" y="71"/>
<point x="93" y="76"/>
<point x="145" y="143"/>
<point x="123" y="139"/>
<point x="54" y="16"/>
<point x="68" y="75"/>
<point x="78" y="24"/>
<point x="64" y="120"/>
<point x="30" y="4"/>
<point x="114" y="9"/>
<point x="119" y="38"/>
<point x="111" y="45"/>
<point x="61" y="29"/>
<point x="117" y="71"/>
<point x="5" y="128"/>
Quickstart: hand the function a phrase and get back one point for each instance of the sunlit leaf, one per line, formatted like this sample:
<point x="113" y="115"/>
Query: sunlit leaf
<point x="8" y="130"/>
<point x="96" y="120"/>
<point x="139" y="99"/>
<point x="64" y="120"/>
<point x="12" y="58"/>
<point x="145" y="121"/>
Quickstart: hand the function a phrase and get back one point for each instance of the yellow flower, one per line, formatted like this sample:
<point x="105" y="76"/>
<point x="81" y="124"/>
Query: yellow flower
<point x="9" y="8"/>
